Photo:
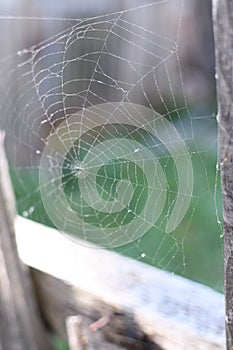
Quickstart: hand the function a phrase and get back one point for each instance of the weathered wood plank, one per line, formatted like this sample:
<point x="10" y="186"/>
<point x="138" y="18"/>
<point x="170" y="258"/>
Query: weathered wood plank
<point x="223" y="30"/>
<point x="140" y="300"/>
<point x="20" y="327"/>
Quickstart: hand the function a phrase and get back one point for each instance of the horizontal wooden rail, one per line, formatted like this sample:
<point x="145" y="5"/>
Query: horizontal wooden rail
<point x="127" y="299"/>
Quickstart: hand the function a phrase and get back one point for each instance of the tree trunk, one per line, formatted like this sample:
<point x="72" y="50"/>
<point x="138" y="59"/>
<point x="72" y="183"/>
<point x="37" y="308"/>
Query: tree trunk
<point x="20" y="327"/>
<point x="223" y="30"/>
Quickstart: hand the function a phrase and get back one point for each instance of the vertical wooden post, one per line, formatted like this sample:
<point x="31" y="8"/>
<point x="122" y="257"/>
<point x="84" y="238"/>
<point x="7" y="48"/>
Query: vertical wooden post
<point x="20" y="327"/>
<point x="223" y="30"/>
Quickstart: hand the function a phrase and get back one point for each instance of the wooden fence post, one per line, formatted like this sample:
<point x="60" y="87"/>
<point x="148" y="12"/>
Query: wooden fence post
<point x="223" y="30"/>
<point x="20" y="327"/>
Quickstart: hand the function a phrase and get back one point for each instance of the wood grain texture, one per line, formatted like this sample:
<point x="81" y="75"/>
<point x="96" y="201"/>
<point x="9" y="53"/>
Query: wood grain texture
<point x="223" y="30"/>
<point x="20" y="327"/>
<point x="144" y="304"/>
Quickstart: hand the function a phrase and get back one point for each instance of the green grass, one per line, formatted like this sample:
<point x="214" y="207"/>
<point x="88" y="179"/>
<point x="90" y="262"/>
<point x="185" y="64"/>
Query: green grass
<point x="196" y="244"/>
<point x="59" y="344"/>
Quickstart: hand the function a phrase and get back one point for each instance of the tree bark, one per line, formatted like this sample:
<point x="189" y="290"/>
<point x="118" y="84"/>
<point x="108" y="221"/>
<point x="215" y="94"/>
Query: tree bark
<point x="20" y="324"/>
<point x="223" y="30"/>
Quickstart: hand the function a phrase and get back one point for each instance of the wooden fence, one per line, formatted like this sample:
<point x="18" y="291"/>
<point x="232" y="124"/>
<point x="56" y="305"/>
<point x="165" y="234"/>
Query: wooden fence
<point x="136" y="302"/>
<point x="97" y="299"/>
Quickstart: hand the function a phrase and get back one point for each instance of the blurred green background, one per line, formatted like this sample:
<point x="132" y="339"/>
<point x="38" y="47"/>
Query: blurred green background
<point x="194" y="250"/>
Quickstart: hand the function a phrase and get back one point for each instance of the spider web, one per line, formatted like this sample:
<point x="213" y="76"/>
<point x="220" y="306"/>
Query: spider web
<point x="100" y="139"/>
